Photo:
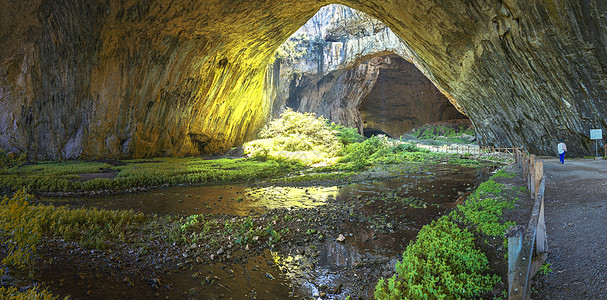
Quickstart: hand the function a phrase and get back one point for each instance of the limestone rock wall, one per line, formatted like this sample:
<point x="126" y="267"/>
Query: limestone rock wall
<point x="109" y="78"/>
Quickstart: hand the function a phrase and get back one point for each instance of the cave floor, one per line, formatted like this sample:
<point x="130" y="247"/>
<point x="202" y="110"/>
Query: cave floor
<point x="575" y="222"/>
<point x="311" y="240"/>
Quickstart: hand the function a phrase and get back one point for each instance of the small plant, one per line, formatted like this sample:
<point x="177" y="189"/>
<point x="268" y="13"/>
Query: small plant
<point x="545" y="269"/>
<point x="503" y="173"/>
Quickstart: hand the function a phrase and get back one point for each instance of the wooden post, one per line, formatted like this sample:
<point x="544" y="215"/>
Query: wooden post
<point x="524" y="162"/>
<point x="531" y="177"/>
<point x="540" y="235"/>
<point x="539" y="173"/>
<point x="515" y="245"/>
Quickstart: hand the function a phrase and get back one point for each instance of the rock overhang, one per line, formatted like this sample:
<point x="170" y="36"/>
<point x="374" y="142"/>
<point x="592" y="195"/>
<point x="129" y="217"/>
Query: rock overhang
<point x="110" y="78"/>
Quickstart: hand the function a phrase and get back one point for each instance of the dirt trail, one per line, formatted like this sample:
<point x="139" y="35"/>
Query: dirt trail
<point x="576" y="221"/>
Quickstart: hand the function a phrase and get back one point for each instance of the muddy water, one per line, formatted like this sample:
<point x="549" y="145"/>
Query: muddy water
<point x="239" y="199"/>
<point x="375" y="234"/>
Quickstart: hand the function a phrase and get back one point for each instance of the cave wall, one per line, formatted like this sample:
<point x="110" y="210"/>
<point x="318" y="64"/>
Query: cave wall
<point x="109" y="78"/>
<point x="403" y="98"/>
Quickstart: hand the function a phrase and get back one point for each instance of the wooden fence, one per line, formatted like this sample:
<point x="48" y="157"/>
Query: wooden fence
<point x="467" y="149"/>
<point x="527" y="246"/>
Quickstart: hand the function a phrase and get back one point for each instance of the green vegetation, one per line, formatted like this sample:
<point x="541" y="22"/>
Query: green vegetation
<point x="503" y="173"/>
<point x="545" y="269"/>
<point x="23" y="226"/>
<point x="13" y="293"/>
<point x="484" y="208"/>
<point x="65" y="176"/>
<point x="442" y="263"/>
<point x="296" y="136"/>
<point x="286" y="145"/>
<point x="241" y="230"/>
<point x="448" y="133"/>
<point x="10" y="160"/>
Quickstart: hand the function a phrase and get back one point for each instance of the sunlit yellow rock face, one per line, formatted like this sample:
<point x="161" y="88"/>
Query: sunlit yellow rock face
<point x="114" y="79"/>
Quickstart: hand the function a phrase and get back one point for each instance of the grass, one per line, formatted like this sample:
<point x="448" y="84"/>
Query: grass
<point x="23" y="226"/>
<point x="13" y="293"/>
<point x="241" y="230"/>
<point x="63" y="176"/>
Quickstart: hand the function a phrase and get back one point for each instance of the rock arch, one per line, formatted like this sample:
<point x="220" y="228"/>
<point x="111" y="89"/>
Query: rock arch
<point x="108" y="78"/>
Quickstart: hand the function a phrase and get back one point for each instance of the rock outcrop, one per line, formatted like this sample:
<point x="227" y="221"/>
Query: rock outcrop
<point x="108" y="78"/>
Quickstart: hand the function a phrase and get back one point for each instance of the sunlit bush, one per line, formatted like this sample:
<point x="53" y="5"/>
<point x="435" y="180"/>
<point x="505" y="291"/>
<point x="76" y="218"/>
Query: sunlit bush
<point x="296" y="136"/>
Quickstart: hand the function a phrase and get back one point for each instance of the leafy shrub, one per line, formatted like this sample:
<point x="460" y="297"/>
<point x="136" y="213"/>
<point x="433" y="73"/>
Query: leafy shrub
<point x="21" y="235"/>
<point x="484" y="207"/>
<point x="358" y="154"/>
<point x="22" y="227"/>
<point x="347" y="135"/>
<point x="296" y="136"/>
<point x="442" y="263"/>
<point x="485" y="214"/>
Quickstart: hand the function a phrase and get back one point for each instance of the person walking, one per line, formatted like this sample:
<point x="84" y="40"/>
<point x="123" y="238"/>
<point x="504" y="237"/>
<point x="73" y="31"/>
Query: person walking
<point x="562" y="150"/>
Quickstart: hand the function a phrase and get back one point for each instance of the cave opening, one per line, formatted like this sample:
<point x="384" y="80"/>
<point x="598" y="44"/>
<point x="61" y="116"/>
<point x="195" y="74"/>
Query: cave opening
<point x="402" y="99"/>
<point x="353" y="70"/>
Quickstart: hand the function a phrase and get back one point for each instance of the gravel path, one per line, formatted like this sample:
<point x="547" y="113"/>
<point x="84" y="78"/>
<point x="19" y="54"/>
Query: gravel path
<point x="576" y="221"/>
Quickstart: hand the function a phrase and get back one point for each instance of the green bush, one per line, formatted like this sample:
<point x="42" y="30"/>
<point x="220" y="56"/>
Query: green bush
<point x="10" y="160"/>
<point x="442" y="263"/>
<point x="484" y="208"/>
<point x="296" y="136"/>
<point x="347" y="135"/>
<point x="358" y="154"/>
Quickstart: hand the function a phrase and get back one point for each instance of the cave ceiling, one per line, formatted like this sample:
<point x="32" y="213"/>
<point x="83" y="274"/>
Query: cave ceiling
<point x="114" y="79"/>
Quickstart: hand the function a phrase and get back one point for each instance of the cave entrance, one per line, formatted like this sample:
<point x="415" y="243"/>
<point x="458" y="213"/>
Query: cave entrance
<point x="402" y="98"/>
<point x="353" y="70"/>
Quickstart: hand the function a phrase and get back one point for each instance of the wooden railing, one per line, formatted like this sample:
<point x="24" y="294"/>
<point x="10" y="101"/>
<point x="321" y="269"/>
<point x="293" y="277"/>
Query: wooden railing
<point x="467" y="149"/>
<point x="527" y="246"/>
